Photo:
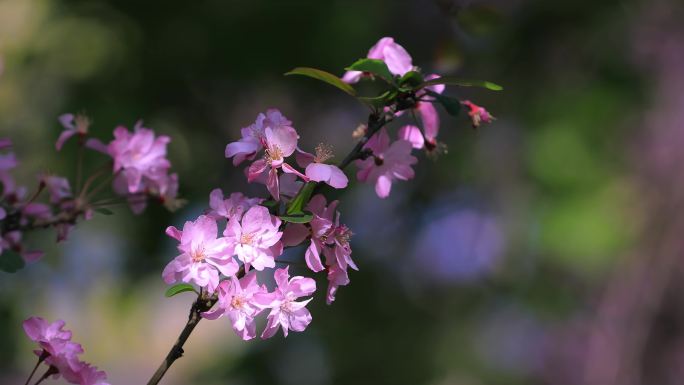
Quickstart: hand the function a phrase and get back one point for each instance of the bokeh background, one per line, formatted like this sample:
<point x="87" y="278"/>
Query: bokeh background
<point x="545" y="248"/>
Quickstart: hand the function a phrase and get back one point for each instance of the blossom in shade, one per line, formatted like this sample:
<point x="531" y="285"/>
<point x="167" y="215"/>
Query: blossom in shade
<point x="236" y="301"/>
<point x="317" y="170"/>
<point x="395" y="56"/>
<point x="255" y="238"/>
<point x="337" y="277"/>
<point x="477" y="114"/>
<point x="203" y="255"/>
<point x="73" y="125"/>
<point x="57" y="187"/>
<point x="235" y="205"/>
<point x="279" y="143"/>
<point x="286" y="312"/>
<point x="388" y="162"/>
<point x="50" y="336"/>
<point x="60" y="354"/>
<point x="139" y="155"/>
<point x="252" y="136"/>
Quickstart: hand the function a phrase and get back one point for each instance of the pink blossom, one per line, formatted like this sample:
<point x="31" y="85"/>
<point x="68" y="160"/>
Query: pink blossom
<point x="395" y="56"/>
<point x="255" y="238"/>
<point x="279" y="143"/>
<point x="337" y="277"/>
<point x="89" y="375"/>
<point x="317" y="170"/>
<point x="252" y="136"/>
<point x="139" y="155"/>
<point x="235" y="205"/>
<point x="477" y="114"/>
<point x="203" y="255"/>
<point x="285" y="311"/>
<point x="57" y="187"/>
<point x="50" y="336"/>
<point x="73" y="125"/>
<point x="236" y="301"/>
<point x="388" y="162"/>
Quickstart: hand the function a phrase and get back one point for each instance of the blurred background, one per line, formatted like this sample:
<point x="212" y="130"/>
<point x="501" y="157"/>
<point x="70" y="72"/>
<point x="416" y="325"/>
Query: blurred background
<point x="545" y="248"/>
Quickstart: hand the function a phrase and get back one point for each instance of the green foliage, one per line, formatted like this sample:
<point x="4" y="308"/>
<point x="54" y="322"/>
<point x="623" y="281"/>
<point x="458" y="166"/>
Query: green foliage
<point x="375" y="67"/>
<point x="451" y="105"/>
<point x="452" y="81"/>
<point x="323" y="76"/>
<point x="304" y="217"/>
<point x="11" y="262"/>
<point x="296" y="205"/>
<point x="179" y="288"/>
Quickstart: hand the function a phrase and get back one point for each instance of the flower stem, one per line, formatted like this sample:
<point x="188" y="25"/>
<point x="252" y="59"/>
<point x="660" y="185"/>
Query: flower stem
<point x="40" y="360"/>
<point x="202" y="304"/>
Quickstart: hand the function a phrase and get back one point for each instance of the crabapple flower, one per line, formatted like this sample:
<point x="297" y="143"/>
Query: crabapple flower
<point x="50" y="336"/>
<point x="203" y="255"/>
<point x="317" y="170"/>
<point x="139" y="156"/>
<point x="60" y="353"/>
<point x="279" y="143"/>
<point x="285" y="311"/>
<point x="252" y="136"/>
<point x="73" y="125"/>
<point x="236" y="301"/>
<point x="388" y="162"/>
<point x="255" y="238"/>
<point x="395" y="56"/>
<point x="477" y="114"/>
<point x="235" y="205"/>
<point x="58" y="187"/>
<point x="337" y="277"/>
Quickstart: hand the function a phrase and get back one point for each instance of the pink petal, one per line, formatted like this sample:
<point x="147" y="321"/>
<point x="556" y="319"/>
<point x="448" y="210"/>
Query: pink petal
<point x="413" y="135"/>
<point x="66" y="134"/>
<point x="383" y="186"/>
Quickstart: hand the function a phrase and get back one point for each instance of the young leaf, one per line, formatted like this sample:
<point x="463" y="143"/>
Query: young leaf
<point x="451" y="105"/>
<point x="179" y="288"/>
<point x="385" y="99"/>
<point x="104" y="211"/>
<point x="373" y="66"/>
<point x="296" y="205"/>
<point x="452" y="81"/>
<point x="323" y="76"/>
<point x="411" y="79"/>
<point x="302" y="217"/>
<point x="10" y="261"/>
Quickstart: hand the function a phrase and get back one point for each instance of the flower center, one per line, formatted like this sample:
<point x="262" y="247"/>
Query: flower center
<point x="344" y="234"/>
<point x="246" y="239"/>
<point x="323" y="153"/>
<point x="273" y="154"/>
<point x="237" y="302"/>
<point x="378" y="160"/>
<point x="198" y="255"/>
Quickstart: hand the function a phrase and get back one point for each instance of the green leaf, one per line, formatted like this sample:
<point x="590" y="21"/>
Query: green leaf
<point x="302" y="217"/>
<point x="448" y="80"/>
<point x="451" y="105"/>
<point x="373" y="66"/>
<point x="179" y="288"/>
<point x="385" y="99"/>
<point x="11" y="262"/>
<point x="323" y="76"/>
<point x="104" y="211"/>
<point x="296" y="205"/>
<point x="412" y="79"/>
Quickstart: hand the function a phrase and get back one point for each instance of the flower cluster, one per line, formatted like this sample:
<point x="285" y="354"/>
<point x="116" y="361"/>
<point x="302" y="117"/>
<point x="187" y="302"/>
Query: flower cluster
<point x="139" y="170"/>
<point x="226" y="265"/>
<point x="60" y="354"/>
<point x="273" y="133"/>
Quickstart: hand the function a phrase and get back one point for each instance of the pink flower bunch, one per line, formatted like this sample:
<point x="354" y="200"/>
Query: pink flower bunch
<point x="60" y="354"/>
<point x="329" y="243"/>
<point x="273" y="133"/>
<point x="395" y="56"/>
<point x="141" y="167"/>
